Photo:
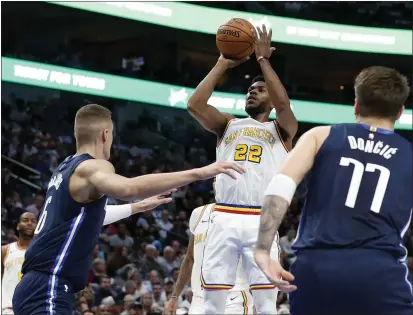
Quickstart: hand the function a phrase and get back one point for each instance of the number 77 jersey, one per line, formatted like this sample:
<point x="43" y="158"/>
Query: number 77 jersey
<point x="359" y="191"/>
<point x="260" y="149"/>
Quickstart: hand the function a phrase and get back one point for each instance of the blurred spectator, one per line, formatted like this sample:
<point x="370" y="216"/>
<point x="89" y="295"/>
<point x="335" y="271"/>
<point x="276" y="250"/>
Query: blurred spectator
<point x="121" y="238"/>
<point x="164" y="224"/>
<point x="169" y="261"/>
<point x="285" y="243"/>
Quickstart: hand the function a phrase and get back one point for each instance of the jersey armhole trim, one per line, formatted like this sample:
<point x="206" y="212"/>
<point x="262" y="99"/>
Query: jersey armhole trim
<point x="277" y="128"/>
<point x="7" y="253"/>
<point x="223" y="134"/>
<point x="199" y="218"/>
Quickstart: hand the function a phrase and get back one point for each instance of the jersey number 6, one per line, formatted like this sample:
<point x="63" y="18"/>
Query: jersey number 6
<point x="42" y="219"/>
<point x="254" y="153"/>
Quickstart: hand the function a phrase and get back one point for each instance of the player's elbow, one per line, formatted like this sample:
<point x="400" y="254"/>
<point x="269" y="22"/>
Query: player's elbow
<point x="192" y="107"/>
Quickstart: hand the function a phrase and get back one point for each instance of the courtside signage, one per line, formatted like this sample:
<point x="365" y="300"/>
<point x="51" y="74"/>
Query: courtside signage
<point x="80" y="81"/>
<point x="202" y="19"/>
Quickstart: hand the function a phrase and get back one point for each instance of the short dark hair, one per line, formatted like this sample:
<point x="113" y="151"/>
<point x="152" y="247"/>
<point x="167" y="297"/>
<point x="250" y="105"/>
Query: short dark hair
<point x="258" y="78"/>
<point x="87" y="117"/>
<point x="381" y="92"/>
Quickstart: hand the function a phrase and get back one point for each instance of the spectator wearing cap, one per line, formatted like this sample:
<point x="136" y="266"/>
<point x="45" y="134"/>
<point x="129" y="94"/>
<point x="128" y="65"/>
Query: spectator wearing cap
<point x="146" y="220"/>
<point x="169" y="261"/>
<point x="168" y="289"/>
<point x="136" y="309"/>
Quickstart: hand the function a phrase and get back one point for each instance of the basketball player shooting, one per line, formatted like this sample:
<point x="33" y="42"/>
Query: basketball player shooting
<point x="358" y="209"/>
<point x="57" y="261"/>
<point x="12" y="257"/>
<point x="259" y="145"/>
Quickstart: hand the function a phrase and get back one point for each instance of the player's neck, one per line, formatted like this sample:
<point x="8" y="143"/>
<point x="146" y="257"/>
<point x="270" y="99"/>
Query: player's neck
<point x="91" y="150"/>
<point x="23" y="243"/>
<point x="377" y="122"/>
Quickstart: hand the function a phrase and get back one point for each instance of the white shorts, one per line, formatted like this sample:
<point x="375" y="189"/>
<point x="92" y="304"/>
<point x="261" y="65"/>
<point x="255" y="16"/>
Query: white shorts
<point x="237" y="303"/>
<point x="229" y="236"/>
<point x="7" y="311"/>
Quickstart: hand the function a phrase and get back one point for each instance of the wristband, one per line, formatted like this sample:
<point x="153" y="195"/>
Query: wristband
<point x="174" y="297"/>
<point x="282" y="186"/>
<point x="116" y="213"/>
<point x="259" y="59"/>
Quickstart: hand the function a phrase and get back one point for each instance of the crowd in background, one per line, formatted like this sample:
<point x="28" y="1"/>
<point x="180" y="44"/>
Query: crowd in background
<point x="137" y="260"/>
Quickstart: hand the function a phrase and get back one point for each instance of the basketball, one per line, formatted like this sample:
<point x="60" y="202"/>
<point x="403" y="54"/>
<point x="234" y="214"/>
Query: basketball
<point x="235" y="39"/>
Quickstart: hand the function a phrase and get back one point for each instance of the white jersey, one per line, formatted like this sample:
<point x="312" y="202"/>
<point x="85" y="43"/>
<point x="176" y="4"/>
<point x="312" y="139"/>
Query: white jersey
<point x="13" y="262"/>
<point x="259" y="148"/>
<point x="198" y="224"/>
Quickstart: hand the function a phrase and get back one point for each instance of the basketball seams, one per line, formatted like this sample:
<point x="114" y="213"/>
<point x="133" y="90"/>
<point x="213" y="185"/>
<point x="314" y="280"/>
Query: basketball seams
<point x="233" y="55"/>
<point x="240" y="29"/>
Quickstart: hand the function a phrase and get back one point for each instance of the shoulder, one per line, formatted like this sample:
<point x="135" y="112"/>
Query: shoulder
<point x="90" y="166"/>
<point x="5" y="252"/>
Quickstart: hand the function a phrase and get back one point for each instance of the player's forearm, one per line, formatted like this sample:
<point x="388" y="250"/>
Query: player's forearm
<point x="276" y="90"/>
<point x="184" y="275"/>
<point x="272" y="214"/>
<point x="154" y="184"/>
<point x="203" y="91"/>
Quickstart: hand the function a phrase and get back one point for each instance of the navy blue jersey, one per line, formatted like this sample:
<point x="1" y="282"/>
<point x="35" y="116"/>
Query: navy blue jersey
<point x="359" y="191"/>
<point x="67" y="230"/>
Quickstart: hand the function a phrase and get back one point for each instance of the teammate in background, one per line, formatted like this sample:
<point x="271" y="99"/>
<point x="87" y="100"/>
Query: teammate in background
<point x="12" y="257"/>
<point x="261" y="146"/>
<point x="358" y="208"/>
<point x="239" y="300"/>
<point x="57" y="261"/>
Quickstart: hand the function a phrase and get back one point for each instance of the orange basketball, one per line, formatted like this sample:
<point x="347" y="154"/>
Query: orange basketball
<point x="235" y="39"/>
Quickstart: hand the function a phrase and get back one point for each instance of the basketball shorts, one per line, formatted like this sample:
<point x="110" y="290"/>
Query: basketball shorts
<point x="7" y="311"/>
<point x="40" y="294"/>
<point x="238" y="302"/>
<point x="355" y="281"/>
<point x="229" y="236"/>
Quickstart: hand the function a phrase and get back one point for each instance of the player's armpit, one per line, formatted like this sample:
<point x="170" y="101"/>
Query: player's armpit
<point x="301" y="159"/>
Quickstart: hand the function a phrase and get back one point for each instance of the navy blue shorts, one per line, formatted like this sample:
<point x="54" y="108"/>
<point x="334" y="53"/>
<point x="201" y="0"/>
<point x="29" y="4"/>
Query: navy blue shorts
<point x="351" y="281"/>
<point x="38" y="293"/>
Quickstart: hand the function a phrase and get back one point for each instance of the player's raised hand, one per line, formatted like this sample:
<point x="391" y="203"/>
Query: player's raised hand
<point x="220" y="167"/>
<point x="231" y="63"/>
<point x="274" y="271"/>
<point x="263" y="42"/>
<point x="171" y="307"/>
<point x="152" y="202"/>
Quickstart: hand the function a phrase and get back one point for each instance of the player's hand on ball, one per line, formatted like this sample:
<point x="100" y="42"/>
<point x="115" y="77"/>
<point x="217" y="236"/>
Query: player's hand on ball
<point x="263" y="42"/>
<point x="171" y="307"/>
<point x="231" y="63"/>
<point x="221" y="167"/>
<point x="274" y="271"/>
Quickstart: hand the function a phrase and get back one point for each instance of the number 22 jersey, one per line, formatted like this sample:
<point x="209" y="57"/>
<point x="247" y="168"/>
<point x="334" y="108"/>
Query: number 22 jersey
<point x="260" y="149"/>
<point x="359" y="191"/>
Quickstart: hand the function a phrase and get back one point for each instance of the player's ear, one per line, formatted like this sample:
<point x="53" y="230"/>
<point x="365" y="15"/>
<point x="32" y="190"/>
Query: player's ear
<point x="400" y="112"/>
<point x="105" y="135"/>
<point x="356" y="107"/>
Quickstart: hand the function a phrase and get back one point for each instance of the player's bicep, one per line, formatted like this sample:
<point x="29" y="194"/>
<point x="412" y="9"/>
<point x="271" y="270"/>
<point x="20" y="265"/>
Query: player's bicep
<point x="103" y="177"/>
<point x="301" y="159"/>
